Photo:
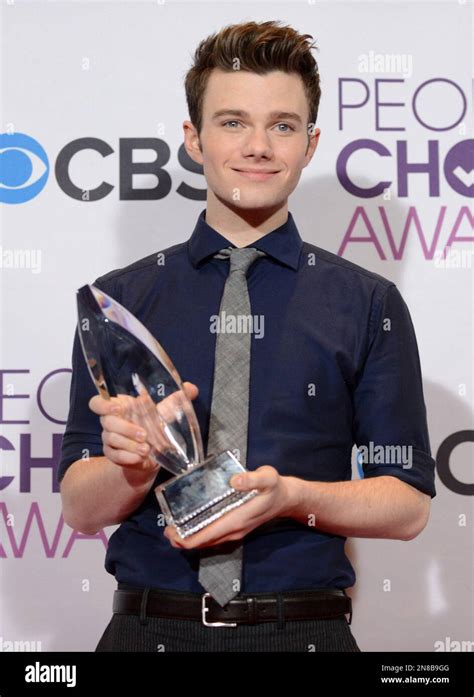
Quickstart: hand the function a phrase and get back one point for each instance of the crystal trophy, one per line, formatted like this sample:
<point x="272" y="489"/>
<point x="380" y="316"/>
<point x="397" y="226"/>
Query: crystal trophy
<point x="126" y="361"/>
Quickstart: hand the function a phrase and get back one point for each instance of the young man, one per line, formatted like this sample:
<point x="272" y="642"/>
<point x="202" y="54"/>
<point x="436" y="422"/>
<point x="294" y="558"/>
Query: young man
<point x="334" y="362"/>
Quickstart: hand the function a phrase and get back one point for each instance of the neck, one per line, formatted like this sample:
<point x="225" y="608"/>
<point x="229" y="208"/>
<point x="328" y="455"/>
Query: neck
<point x="243" y="226"/>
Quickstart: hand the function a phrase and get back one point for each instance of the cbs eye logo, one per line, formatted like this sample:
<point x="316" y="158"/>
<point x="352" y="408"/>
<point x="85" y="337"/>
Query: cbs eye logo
<point x="24" y="168"/>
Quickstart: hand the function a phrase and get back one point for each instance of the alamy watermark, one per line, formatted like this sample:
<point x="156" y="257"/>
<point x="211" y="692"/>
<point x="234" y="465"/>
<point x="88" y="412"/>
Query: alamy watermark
<point x="386" y="455"/>
<point x="372" y="62"/>
<point x="454" y="259"/>
<point x="8" y="645"/>
<point x="21" y="259"/>
<point x="453" y="645"/>
<point x="225" y="323"/>
<point x="39" y="672"/>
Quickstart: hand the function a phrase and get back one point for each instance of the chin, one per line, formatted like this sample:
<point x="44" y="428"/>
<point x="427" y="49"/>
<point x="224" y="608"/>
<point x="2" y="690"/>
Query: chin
<point x="248" y="203"/>
<point x="262" y="204"/>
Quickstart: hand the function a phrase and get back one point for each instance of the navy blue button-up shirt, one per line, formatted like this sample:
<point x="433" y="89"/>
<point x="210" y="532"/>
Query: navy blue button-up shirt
<point x="334" y="363"/>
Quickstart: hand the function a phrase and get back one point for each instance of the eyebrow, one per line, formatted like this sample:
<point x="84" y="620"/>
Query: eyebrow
<point x="273" y="115"/>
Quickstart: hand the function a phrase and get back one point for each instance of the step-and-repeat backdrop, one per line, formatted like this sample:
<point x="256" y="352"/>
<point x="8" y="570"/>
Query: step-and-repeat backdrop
<point x="89" y="91"/>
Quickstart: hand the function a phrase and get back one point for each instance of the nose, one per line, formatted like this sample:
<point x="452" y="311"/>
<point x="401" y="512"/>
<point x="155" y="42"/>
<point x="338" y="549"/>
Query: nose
<point x="257" y="144"/>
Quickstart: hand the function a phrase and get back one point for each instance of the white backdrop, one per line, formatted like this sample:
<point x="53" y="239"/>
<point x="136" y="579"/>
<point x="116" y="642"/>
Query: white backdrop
<point x="115" y="70"/>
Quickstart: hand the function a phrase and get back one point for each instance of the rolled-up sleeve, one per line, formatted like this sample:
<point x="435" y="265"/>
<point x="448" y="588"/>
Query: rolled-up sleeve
<point x="83" y="434"/>
<point x="390" y="427"/>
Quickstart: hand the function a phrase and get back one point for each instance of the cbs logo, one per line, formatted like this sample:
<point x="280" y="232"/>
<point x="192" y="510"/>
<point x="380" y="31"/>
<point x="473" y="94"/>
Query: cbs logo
<point x="21" y="157"/>
<point x="24" y="168"/>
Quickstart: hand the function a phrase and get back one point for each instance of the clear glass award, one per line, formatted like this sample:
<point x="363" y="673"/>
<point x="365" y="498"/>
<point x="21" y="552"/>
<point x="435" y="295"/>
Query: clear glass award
<point x="125" y="360"/>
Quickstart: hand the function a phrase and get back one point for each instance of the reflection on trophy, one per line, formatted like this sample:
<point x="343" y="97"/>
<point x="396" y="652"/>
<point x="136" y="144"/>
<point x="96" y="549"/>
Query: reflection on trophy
<point x="126" y="361"/>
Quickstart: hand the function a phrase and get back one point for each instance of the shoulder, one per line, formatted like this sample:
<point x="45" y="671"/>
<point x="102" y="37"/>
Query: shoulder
<point x="354" y="281"/>
<point x="358" y="290"/>
<point x="343" y="268"/>
<point x="143" y="273"/>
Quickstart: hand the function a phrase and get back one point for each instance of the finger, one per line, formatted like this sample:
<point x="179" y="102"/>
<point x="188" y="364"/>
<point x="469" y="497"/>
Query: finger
<point x="171" y="406"/>
<point x="119" y="405"/>
<point x="232" y="523"/>
<point x="102" y="406"/>
<point x="189" y="543"/>
<point x="124" y="458"/>
<point x="128" y="429"/>
<point x="119" y="442"/>
<point x="191" y="390"/>
<point x="265" y="477"/>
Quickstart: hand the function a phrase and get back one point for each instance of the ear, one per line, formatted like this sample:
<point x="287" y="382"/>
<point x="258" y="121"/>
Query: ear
<point x="192" y="142"/>
<point x="312" y="145"/>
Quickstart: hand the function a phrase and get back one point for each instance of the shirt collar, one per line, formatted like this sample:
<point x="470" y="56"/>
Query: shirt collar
<point x="283" y="244"/>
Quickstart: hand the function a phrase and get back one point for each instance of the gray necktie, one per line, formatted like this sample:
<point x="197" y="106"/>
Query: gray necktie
<point x="220" y="567"/>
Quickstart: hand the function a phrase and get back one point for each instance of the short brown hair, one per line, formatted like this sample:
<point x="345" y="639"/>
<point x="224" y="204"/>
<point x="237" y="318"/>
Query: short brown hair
<point x="257" y="48"/>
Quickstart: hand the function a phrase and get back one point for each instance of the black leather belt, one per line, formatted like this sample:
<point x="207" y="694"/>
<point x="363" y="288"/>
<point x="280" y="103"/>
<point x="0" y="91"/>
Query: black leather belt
<point x="245" y="608"/>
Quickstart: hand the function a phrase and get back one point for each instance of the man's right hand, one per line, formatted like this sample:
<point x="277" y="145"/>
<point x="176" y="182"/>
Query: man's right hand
<point x="124" y="442"/>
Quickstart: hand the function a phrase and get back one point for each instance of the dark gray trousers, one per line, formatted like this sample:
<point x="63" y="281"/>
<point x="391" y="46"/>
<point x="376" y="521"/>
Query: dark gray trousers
<point x="153" y="634"/>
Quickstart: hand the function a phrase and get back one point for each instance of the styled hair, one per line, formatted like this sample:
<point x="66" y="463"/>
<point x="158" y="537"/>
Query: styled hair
<point x="258" y="48"/>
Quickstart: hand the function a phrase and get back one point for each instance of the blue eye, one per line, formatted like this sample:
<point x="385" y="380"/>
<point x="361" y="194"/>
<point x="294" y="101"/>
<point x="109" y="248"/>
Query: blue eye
<point x="287" y="125"/>
<point x="20" y="159"/>
<point x="290" y="128"/>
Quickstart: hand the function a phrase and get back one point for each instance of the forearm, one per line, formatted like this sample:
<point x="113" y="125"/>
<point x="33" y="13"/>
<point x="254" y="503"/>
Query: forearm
<point x="96" y="493"/>
<point x="382" y="507"/>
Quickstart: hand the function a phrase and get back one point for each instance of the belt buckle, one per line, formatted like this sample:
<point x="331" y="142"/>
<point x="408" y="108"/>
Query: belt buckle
<point x="205" y="609"/>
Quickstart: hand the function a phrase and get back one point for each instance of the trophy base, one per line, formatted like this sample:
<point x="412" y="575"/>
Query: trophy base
<point x="202" y="494"/>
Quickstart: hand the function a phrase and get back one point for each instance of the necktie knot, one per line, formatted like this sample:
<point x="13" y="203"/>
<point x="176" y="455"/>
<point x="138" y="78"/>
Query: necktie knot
<point x="241" y="258"/>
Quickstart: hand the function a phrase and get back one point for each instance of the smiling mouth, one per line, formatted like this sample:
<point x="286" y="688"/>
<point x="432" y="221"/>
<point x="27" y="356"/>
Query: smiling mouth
<point x="256" y="175"/>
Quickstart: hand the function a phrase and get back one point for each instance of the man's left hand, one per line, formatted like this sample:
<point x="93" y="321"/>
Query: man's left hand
<point x="274" y="500"/>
